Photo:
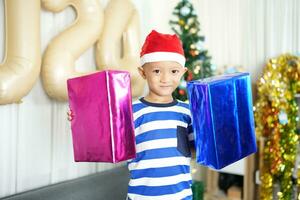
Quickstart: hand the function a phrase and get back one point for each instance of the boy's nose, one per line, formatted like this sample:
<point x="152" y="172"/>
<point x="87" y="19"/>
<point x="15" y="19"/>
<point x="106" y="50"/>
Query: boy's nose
<point x="164" y="78"/>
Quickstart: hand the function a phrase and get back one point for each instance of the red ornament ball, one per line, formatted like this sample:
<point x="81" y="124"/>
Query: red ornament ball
<point x="190" y="76"/>
<point x="181" y="92"/>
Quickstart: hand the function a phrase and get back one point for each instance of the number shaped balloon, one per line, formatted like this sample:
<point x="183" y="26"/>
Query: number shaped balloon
<point x="60" y="56"/>
<point x="22" y="61"/>
<point x="119" y="43"/>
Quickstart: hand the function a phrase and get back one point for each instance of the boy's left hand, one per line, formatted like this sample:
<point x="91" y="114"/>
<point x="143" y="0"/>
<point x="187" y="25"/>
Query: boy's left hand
<point x="70" y="115"/>
<point x="193" y="153"/>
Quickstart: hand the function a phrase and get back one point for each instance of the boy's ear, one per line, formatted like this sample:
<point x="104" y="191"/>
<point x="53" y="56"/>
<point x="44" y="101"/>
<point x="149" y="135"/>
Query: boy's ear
<point x="184" y="70"/>
<point x="142" y="72"/>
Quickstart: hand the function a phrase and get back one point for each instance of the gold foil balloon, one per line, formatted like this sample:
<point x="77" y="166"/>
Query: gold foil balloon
<point x="21" y="66"/>
<point x="64" y="49"/>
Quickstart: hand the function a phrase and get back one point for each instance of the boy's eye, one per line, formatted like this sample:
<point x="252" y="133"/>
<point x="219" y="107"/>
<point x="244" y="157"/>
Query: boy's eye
<point x="156" y="71"/>
<point x="175" y="71"/>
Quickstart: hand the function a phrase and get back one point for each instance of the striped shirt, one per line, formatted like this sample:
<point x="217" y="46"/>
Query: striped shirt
<point x="161" y="169"/>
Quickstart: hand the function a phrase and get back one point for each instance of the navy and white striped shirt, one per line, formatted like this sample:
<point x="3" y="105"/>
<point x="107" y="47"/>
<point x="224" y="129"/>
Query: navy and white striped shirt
<point x="161" y="169"/>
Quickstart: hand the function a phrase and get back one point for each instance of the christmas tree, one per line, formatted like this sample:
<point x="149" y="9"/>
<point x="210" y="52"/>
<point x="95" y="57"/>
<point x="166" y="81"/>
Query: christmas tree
<point x="198" y="63"/>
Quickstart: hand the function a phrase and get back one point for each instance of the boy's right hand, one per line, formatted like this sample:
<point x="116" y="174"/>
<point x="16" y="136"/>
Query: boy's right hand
<point x="70" y="115"/>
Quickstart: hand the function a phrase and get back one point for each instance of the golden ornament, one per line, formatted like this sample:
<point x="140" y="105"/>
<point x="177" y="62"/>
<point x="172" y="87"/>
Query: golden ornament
<point x="276" y="91"/>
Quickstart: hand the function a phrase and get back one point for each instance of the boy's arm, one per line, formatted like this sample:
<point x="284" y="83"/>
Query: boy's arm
<point x="193" y="152"/>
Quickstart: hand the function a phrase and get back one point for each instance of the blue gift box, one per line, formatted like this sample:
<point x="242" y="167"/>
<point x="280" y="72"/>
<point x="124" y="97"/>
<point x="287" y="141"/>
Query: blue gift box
<point x="223" y="122"/>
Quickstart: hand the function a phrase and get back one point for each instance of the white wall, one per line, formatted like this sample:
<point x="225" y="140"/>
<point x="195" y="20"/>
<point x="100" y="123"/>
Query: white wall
<point x="35" y="140"/>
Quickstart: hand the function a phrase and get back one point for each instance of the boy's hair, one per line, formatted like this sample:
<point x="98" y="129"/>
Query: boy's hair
<point x="162" y="47"/>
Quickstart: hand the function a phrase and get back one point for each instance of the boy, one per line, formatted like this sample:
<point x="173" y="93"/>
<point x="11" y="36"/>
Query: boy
<point x="163" y="131"/>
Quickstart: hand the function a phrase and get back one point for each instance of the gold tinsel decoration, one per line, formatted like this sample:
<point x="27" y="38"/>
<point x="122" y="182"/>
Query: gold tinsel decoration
<point x="276" y="125"/>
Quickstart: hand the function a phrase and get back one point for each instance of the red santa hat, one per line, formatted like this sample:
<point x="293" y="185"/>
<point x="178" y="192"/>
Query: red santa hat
<point x="162" y="47"/>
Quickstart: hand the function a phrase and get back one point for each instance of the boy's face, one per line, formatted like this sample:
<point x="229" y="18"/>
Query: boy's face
<point x="162" y="77"/>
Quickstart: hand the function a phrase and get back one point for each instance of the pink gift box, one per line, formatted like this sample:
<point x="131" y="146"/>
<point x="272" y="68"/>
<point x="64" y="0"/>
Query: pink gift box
<point x="102" y="124"/>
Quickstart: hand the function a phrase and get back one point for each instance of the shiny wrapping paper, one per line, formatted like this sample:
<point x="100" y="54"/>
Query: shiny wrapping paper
<point x="102" y="124"/>
<point x="223" y="121"/>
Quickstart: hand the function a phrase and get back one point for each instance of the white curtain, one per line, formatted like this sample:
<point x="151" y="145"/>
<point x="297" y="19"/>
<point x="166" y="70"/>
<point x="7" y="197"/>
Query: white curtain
<point x="249" y="32"/>
<point x="35" y="137"/>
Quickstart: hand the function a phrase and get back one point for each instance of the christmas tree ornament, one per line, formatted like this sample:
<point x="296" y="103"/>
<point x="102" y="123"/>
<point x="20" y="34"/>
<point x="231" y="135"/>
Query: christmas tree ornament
<point x="184" y="11"/>
<point x="197" y="69"/>
<point x="193" y="46"/>
<point x="192" y="53"/>
<point x="190" y="21"/>
<point x="190" y="76"/>
<point x="181" y="92"/>
<point x="181" y="22"/>
<point x="193" y="30"/>
<point x="200" y="45"/>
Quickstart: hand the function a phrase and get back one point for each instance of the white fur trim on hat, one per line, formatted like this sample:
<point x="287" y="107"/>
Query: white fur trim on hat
<point x="163" y="56"/>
